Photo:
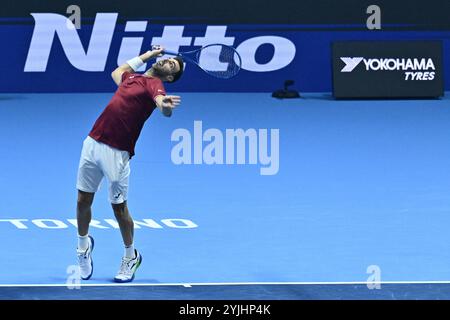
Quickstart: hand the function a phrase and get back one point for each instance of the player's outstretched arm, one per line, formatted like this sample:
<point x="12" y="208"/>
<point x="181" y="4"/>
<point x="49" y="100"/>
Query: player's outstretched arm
<point x="133" y="64"/>
<point x="166" y="104"/>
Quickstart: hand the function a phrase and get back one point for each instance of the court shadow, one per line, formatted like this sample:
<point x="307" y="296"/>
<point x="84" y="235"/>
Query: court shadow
<point x="111" y="280"/>
<point x="329" y="97"/>
<point x="14" y="97"/>
<point x="322" y="96"/>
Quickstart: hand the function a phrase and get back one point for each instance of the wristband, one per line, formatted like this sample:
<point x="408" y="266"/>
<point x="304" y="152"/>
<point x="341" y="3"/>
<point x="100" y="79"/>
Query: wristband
<point x="135" y="63"/>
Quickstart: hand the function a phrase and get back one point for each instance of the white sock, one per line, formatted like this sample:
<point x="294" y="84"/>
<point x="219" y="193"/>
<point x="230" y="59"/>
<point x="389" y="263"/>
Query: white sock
<point x="83" y="242"/>
<point x="129" y="252"/>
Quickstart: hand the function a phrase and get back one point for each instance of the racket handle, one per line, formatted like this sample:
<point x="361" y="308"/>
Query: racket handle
<point x="171" y="53"/>
<point x="158" y="47"/>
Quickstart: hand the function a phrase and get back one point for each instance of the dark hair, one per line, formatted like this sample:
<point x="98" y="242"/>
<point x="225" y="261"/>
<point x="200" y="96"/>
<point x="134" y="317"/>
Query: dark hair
<point x="177" y="75"/>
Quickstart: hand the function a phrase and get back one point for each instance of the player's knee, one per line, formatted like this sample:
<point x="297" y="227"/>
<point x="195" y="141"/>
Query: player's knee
<point x="85" y="199"/>
<point x="120" y="210"/>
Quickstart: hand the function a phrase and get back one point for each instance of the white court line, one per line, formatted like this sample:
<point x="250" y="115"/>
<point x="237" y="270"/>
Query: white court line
<point x="188" y="285"/>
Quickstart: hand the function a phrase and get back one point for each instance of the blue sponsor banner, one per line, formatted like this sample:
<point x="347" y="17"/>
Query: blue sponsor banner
<point x="47" y="55"/>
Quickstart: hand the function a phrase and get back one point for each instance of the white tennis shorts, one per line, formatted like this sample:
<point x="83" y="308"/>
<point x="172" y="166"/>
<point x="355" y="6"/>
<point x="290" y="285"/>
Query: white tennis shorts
<point x="98" y="160"/>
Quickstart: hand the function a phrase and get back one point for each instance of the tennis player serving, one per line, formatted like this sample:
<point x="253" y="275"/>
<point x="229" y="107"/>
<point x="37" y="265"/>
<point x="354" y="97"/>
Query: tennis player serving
<point x="110" y="145"/>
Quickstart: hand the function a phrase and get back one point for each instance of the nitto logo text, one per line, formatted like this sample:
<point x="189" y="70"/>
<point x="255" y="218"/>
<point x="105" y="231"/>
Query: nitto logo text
<point x="48" y="26"/>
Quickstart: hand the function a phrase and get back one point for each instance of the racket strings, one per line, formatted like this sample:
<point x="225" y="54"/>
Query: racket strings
<point x="220" y="61"/>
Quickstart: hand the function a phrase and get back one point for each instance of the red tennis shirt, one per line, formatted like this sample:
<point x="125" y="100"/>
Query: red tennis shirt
<point x="120" y="124"/>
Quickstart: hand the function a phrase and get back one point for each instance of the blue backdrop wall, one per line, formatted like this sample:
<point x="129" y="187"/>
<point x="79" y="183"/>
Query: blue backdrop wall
<point x="286" y="40"/>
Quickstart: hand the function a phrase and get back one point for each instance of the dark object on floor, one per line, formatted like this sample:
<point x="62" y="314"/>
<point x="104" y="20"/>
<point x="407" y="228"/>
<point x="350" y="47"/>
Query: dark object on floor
<point x="285" y="93"/>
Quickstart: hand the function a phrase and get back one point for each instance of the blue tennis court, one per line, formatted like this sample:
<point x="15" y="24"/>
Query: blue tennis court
<point x="358" y="194"/>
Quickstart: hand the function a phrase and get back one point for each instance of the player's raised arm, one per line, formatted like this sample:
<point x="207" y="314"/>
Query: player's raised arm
<point x="134" y="64"/>
<point x="167" y="103"/>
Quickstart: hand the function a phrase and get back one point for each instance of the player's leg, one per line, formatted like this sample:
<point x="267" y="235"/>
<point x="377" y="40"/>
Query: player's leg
<point x="116" y="168"/>
<point x="84" y="212"/>
<point x="131" y="259"/>
<point x="88" y="182"/>
<point x="126" y="226"/>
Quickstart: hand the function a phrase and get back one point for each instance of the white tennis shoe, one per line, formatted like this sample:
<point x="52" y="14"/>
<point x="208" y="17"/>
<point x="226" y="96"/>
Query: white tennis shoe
<point x="85" y="260"/>
<point x="128" y="268"/>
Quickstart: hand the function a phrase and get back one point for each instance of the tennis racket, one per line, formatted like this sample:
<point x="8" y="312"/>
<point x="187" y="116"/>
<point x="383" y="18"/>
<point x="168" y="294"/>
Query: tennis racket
<point x="217" y="60"/>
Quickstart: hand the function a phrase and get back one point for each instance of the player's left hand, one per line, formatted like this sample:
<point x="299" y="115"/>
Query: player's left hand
<point x="171" y="101"/>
